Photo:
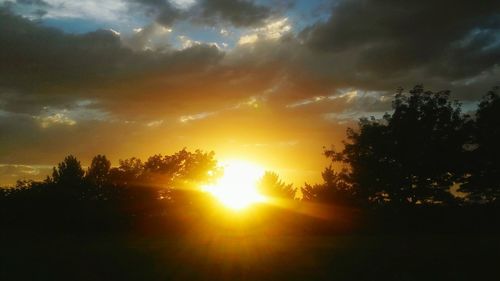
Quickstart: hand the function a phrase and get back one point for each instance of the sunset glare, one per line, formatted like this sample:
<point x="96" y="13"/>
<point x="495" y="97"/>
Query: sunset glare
<point x="237" y="189"/>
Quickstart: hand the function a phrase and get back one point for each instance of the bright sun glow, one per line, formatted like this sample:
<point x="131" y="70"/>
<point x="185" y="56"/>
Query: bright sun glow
<point x="236" y="189"/>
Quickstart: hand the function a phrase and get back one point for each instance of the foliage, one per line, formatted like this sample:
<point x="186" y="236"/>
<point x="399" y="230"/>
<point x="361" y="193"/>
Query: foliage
<point x="411" y="155"/>
<point x="417" y="154"/>
<point x="482" y="178"/>
<point x="336" y="189"/>
<point x="98" y="172"/>
<point x="68" y="173"/>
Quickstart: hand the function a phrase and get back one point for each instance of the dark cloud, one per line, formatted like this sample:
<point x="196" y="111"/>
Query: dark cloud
<point x="240" y="13"/>
<point x="237" y="12"/>
<point x="39" y="3"/>
<point x="33" y="55"/>
<point x="39" y="13"/>
<point x="43" y="66"/>
<point x="46" y="67"/>
<point x="37" y="8"/>
<point x="450" y="39"/>
<point x="162" y="11"/>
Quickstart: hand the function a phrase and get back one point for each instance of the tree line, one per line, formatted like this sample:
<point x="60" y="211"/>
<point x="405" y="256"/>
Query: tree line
<point x="427" y="152"/>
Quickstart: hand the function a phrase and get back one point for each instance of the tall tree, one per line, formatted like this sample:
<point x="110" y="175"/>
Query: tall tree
<point x="68" y="173"/>
<point x="410" y="156"/>
<point x="483" y="174"/>
<point x="98" y="172"/>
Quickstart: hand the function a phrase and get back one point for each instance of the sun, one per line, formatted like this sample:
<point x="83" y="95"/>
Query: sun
<point x="237" y="189"/>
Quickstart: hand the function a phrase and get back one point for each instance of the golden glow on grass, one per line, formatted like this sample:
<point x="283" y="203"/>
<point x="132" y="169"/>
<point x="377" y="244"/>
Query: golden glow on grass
<point x="237" y="189"/>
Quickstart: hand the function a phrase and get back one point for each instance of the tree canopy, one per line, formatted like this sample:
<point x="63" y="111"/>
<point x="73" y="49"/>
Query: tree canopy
<point x="418" y="153"/>
<point x="482" y="175"/>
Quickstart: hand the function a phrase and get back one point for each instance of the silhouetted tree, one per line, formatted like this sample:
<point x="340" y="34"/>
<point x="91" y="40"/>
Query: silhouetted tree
<point x="410" y="156"/>
<point x="68" y="173"/>
<point x="98" y="172"/>
<point x="271" y="185"/>
<point x="336" y="189"/>
<point x="127" y="173"/>
<point x="198" y="167"/>
<point x="180" y="169"/>
<point x="482" y="180"/>
<point x="192" y="170"/>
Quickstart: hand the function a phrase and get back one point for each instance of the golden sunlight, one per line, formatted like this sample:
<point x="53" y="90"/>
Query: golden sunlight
<point x="237" y="189"/>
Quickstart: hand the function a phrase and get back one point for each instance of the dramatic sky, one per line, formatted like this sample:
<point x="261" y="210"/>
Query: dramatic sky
<point x="268" y="81"/>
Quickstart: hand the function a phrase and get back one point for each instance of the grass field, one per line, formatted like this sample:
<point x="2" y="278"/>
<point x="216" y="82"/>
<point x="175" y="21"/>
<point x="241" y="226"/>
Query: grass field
<point x="249" y="257"/>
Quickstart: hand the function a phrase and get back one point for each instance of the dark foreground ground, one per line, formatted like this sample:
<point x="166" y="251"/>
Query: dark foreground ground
<point x="31" y="256"/>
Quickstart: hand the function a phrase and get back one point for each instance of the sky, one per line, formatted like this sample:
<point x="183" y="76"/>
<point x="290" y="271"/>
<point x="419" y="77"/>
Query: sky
<point x="272" y="82"/>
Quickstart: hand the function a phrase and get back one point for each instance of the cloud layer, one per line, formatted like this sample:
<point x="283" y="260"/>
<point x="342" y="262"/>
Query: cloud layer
<point x="278" y="89"/>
